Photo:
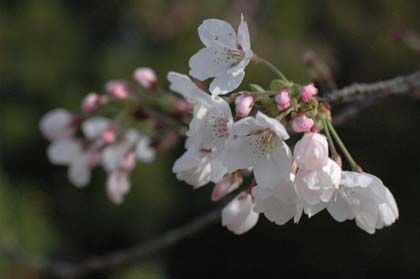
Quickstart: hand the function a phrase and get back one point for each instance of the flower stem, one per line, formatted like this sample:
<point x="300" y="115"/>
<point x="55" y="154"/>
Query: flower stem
<point x="354" y="165"/>
<point x="273" y="68"/>
<point x="329" y="138"/>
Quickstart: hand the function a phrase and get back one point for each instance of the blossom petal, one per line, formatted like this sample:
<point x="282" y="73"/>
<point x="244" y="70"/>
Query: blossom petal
<point x="211" y="62"/>
<point x="243" y="35"/>
<point x="95" y="126"/>
<point x="63" y="152"/>
<point x="79" y="171"/>
<point x="216" y="32"/>
<point x="226" y="83"/>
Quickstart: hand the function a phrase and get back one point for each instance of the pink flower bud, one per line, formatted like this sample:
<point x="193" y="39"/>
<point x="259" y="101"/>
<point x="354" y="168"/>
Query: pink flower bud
<point x="146" y="77"/>
<point x="228" y="184"/>
<point x="308" y="91"/>
<point x="118" y="89"/>
<point x="283" y="100"/>
<point x="90" y="102"/>
<point x="244" y="104"/>
<point x="302" y="124"/>
<point x="109" y="136"/>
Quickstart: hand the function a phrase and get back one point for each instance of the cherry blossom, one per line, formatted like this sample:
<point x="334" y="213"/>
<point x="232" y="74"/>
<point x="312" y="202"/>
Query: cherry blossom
<point x="207" y="134"/>
<point x="258" y="142"/>
<point x="238" y="216"/>
<point x="318" y="176"/>
<point x="225" y="56"/>
<point x="364" y="197"/>
<point x="57" y="124"/>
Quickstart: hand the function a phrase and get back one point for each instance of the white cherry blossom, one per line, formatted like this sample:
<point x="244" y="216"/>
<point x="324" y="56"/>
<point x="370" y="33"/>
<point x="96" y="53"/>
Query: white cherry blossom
<point x="238" y="216"/>
<point x="258" y="142"/>
<point x="224" y="57"/>
<point x="364" y="197"/>
<point x="207" y="134"/>
<point x="57" y="124"/>
<point x="279" y="202"/>
<point x="70" y="152"/>
<point x="318" y="177"/>
<point x="132" y="140"/>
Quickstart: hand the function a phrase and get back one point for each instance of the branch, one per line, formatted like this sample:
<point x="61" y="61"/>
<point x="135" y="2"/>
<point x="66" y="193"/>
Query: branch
<point x="399" y="86"/>
<point x="115" y="259"/>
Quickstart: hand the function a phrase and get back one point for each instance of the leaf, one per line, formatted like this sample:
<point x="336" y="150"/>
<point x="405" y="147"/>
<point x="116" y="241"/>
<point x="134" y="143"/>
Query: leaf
<point x="256" y="88"/>
<point x="276" y="85"/>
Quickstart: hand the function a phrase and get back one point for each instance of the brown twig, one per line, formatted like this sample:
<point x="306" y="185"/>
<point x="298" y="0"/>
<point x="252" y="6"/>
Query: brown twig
<point x="399" y="86"/>
<point x="125" y="256"/>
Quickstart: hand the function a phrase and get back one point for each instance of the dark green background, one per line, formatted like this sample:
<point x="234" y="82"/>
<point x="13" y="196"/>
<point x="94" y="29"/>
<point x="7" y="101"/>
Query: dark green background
<point x="54" y="52"/>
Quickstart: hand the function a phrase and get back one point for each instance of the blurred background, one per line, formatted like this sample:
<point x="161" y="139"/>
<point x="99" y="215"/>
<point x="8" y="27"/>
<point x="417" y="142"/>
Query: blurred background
<point x="54" y="52"/>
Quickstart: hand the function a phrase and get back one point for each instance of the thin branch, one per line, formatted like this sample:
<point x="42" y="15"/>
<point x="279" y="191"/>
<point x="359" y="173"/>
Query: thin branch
<point x="399" y="86"/>
<point x="100" y="263"/>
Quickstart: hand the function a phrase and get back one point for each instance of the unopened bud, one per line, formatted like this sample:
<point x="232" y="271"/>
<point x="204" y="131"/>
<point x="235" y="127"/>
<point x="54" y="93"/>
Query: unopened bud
<point x="146" y="77"/>
<point x="308" y="91"/>
<point x="182" y="105"/>
<point x="118" y="89"/>
<point x="228" y="184"/>
<point x="302" y="124"/>
<point x="109" y="136"/>
<point x="244" y="104"/>
<point x="90" y="102"/>
<point x="283" y="100"/>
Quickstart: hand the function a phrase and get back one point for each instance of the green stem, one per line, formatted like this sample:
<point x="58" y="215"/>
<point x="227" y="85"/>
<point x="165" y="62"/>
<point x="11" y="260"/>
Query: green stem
<point x="285" y="113"/>
<point x="273" y="68"/>
<point x="329" y="138"/>
<point x="343" y="148"/>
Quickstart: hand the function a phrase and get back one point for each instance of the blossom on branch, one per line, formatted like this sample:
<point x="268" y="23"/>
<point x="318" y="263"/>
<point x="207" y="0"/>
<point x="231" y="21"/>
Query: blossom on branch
<point x="225" y="56"/>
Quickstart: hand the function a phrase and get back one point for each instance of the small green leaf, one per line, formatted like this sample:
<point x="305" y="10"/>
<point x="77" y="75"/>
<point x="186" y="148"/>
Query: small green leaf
<point x="295" y="90"/>
<point x="276" y="84"/>
<point x="256" y="88"/>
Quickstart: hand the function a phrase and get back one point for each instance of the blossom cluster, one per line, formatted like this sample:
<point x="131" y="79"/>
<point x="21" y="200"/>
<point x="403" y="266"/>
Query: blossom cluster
<point x="238" y="140"/>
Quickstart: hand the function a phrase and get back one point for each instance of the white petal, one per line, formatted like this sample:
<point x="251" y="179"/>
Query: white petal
<point x="95" y="126"/>
<point x="340" y="210"/>
<point x="63" y="152"/>
<point x="79" y="171"/>
<point x="57" y="125"/>
<point x="274" y="125"/>
<point x="238" y="215"/>
<point x="211" y="62"/>
<point x="215" y="32"/>
<point x="183" y="85"/>
<point x="226" y="83"/>
<point x="145" y="153"/>
<point x="193" y="168"/>
<point x="118" y="185"/>
<point x="274" y="168"/>
<point x="243" y="35"/>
